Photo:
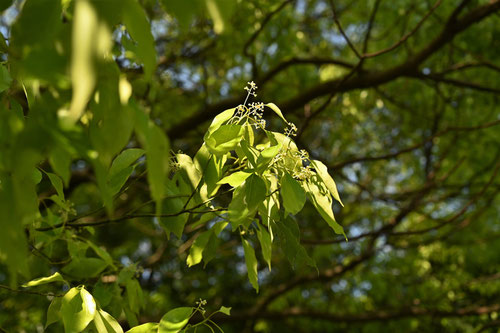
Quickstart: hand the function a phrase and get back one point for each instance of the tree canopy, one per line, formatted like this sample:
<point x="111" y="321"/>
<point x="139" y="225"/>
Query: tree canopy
<point x="249" y="166"/>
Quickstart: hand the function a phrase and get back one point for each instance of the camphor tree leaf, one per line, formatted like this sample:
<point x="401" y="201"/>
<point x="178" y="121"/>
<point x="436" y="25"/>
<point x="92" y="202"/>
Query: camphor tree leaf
<point x="139" y="28"/>
<point x="175" y="320"/>
<point x="84" y="267"/>
<point x="220" y="11"/>
<point x="121" y="169"/>
<point x="224" y="139"/>
<point x="5" y="79"/>
<point x="225" y="310"/>
<point x="288" y="235"/>
<point x="292" y="193"/>
<point x="88" y="33"/>
<point x="322" y="171"/>
<point x="238" y="211"/>
<point x="104" y="322"/>
<point x="124" y="160"/>
<point x="60" y="161"/>
<point x="53" y="312"/>
<point x="322" y="201"/>
<point x="235" y="179"/>
<point x="219" y="119"/>
<point x="78" y="309"/>
<point x="251" y="263"/>
<point x="145" y="328"/>
<point x="255" y="191"/>
<point x="57" y="183"/>
<point x="56" y="277"/>
<point x="157" y="155"/>
<point x="276" y="110"/>
<point x="266" y="244"/>
<point x="196" y="251"/>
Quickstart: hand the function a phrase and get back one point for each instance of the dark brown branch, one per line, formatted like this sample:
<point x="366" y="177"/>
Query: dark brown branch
<point x="23" y="291"/>
<point x="383" y="315"/>
<point x="342" y="32"/>
<point x="457" y="83"/>
<point x="369" y="79"/>
<point x="124" y="218"/>
<point x="370" y="26"/>
<point x="403" y="39"/>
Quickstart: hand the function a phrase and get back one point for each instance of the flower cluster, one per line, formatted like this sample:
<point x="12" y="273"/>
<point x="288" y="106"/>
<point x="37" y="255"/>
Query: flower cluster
<point x="173" y="163"/>
<point x="251" y="87"/>
<point x="200" y="304"/>
<point x="291" y="130"/>
<point x="250" y="114"/>
<point x="305" y="172"/>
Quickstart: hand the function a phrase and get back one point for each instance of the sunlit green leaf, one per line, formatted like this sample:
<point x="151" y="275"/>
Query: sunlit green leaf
<point x="225" y="310"/>
<point x="174" y="320"/>
<point x="235" y="179"/>
<point x="322" y="171"/>
<point x="56" y="277"/>
<point x="265" y="244"/>
<point x="77" y="309"/>
<point x="145" y="328"/>
<point x="196" y="251"/>
<point x="292" y="193"/>
<point x="251" y="262"/>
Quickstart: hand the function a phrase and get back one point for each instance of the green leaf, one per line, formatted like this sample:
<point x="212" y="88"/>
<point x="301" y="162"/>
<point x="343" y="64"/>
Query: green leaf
<point x="323" y="203"/>
<point x="235" y="179"/>
<point x="83" y="76"/>
<point x="224" y="139"/>
<point x="322" y="171"/>
<point x="157" y="154"/>
<point x="276" y="110"/>
<point x="53" y="312"/>
<point x="60" y="160"/>
<point x="36" y="176"/>
<point x="196" y="251"/>
<point x="102" y="253"/>
<point x="112" y="123"/>
<point x="267" y="155"/>
<point x="78" y="309"/>
<point x="288" y="234"/>
<point x="56" y="277"/>
<point x="266" y="244"/>
<point x="187" y="164"/>
<point x="134" y="295"/>
<point x="57" y="183"/>
<point x="124" y="160"/>
<point x="138" y="26"/>
<point x="184" y="11"/>
<point x="210" y="250"/>
<point x="219" y="119"/>
<point x="212" y="168"/>
<point x="121" y="170"/>
<point x="293" y="194"/>
<point x="144" y="328"/>
<point x="225" y="310"/>
<point x="13" y="243"/>
<point x="105" y="323"/>
<point x="5" y="79"/>
<point x="249" y="152"/>
<point x="251" y="262"/>
<point x="175" y="320"/>
<point x="255" y="191"/>
<point x="174" y="224"/>
<point x="239" y="211"/>
<point x="82" y="268"/>
<point x="220" y="11"/>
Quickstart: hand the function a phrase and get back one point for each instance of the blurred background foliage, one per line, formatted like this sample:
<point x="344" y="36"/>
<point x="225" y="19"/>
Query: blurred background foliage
<point x="398" y="98"/>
